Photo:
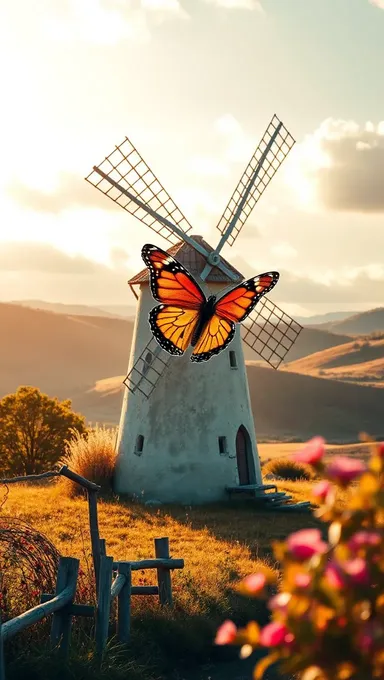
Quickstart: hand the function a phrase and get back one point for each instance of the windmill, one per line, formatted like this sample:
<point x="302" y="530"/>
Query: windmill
<point x="186" y="431"/>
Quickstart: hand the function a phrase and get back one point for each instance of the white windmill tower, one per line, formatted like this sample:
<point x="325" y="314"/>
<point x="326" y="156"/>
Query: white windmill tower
<point x="186" y="430"/>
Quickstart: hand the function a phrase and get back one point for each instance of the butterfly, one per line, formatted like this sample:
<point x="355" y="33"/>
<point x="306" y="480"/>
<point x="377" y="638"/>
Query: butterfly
<point x="186" y="317"/>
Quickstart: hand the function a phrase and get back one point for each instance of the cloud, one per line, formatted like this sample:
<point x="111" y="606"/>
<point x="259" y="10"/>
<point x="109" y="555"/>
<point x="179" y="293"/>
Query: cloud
<point x="107" y="22"/>
<point x="361" y="288"/>
<point x="40" y="271"/>
<point x="69" y="190"/>
<point x="237" y="4"/>
<point x="42" y="257"/>
<point x="377" y="3"/>
<point x="361" y="285"/>
<point x="341" y="167"/>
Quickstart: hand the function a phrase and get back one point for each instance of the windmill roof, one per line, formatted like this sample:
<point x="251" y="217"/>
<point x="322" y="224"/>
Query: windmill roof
<point x="192" y="260"/>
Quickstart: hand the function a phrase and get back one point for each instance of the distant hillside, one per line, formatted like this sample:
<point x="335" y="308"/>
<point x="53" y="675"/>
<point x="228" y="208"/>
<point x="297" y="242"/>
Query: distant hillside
<point x="285" y="406"/>
<point x="362" y="323"/>
<point x="317" y="319"/>
<point x="310" y="340"/>
<point x="65" y="353"/>
<point x="60" y="354"/>
<point x="359" y="361"/>
<point x="75" y="356"/>
<point x="120" y="311"/>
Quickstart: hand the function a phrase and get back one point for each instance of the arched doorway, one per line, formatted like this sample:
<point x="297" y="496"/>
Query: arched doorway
<point x="245" y="465"/>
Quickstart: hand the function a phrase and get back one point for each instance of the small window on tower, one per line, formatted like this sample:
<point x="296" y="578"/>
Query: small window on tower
<point x="223" y="445"/>
<point x="232" y="359"/>
<point x="139" y="444"/>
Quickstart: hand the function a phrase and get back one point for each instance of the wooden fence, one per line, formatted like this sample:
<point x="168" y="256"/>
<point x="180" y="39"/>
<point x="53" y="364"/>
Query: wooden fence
<point x="113" y="581"/>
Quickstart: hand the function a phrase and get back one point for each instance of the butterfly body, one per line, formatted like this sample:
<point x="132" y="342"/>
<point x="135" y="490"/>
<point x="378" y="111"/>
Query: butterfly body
<point x="186" y="317"/>
<point x="205" y="314"/>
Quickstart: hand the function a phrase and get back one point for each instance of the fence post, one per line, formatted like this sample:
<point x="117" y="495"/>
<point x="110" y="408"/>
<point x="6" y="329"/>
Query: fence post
<point x="163" y="575"/>
<point x="103" y="603"/>
<point x="62" y="620"/>
<point x="95" y="536"/>
<point x="124" y="604"/>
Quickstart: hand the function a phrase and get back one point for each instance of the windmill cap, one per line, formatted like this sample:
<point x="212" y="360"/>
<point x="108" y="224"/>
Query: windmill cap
<point x="192" y="260"/>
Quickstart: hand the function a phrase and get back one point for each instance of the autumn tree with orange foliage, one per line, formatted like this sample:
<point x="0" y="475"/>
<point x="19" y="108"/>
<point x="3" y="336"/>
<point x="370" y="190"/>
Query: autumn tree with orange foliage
<point x="328" y="614"/>
<point x="33" y="430"/>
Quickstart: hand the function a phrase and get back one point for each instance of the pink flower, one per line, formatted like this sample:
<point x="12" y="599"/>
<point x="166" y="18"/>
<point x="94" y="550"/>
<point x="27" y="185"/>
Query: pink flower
<point x="305" y="543"/>
<point x="279" y="602"/>
<point x="312" y="452"/>
<point x="343" y="470"/>
<point x="334" y="576"/>
<point x="254" y="583"/>
<point x="302" y="580"/>
<point x="357" y="570"/>
<point x="322" y="489"/>
<point x="363" y="539"/>
<point x="273" y="634"/>
<point x="226" y="633"/>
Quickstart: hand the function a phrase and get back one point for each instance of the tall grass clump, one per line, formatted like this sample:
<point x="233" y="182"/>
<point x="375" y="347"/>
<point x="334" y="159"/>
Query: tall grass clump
<point x="93" y="456"/>
<point x="286" y="468"/>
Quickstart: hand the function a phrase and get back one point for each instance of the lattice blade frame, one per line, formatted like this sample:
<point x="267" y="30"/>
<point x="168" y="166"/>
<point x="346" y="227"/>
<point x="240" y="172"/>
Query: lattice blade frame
<point x="127" y="167"/>
<point x="265" y="164"/>
<point x="147" y="369"/>
<point x="271" y="332"/>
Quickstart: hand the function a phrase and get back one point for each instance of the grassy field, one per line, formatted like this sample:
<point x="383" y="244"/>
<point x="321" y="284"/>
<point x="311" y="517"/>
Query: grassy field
<point x="219" y="544"/>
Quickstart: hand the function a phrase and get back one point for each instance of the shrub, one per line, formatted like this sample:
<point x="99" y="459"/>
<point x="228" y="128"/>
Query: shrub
<point x="288" y="469"/>
<point x="328" y="618"/>
<point x="92" y="456"/>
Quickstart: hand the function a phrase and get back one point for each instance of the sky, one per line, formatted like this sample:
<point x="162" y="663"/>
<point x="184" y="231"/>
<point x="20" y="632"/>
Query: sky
<point x="193" y="84"/>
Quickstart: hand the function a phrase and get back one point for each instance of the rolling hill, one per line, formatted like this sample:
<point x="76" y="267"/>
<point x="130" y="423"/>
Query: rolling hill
<point x="119" y="311"/>
<point x="77" y="356"/>
<point x="286" y="406"/>
<point x="363" y="323"/>
<point x="358" y="361"/>
<point x="65" y="353"/>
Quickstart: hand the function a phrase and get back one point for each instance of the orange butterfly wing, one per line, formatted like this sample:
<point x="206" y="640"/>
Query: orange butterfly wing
<point x="173" y="322"/>
<point x="171" y="283"/>
<point x="232" y="308"/>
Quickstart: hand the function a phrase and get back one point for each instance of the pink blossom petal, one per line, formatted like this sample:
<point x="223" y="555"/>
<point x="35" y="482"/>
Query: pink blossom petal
<point x="279" y="602"/>
<point x="357" y="570"/>
<point x="312" y="452"/>
<point x="273" y="634"/>
<point x="305" y="543"/>
<point x="344" y="470"/>
<point x="302" y="580"/>
<point x="334" y="576"/>
<point x="322" y="489"/>
<point x="226" y="633"/>
<point x="254" y="583"/>
<point x="363" y="539"/>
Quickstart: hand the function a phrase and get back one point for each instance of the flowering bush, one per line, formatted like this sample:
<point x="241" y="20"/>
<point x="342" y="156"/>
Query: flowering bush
<point x="328" y="614"/>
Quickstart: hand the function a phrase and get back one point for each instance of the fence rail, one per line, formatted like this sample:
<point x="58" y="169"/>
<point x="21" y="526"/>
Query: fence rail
<point x="113" y="581"/>
<point x="60" y="605"/>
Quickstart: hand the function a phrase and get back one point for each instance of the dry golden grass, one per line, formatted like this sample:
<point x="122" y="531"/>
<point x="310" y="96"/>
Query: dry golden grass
<point x="92" y="456"/>
<point x="220" y="544"/>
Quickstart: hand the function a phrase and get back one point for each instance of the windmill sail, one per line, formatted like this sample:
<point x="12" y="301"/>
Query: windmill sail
<point x="124" y="176"/>
<point x="147" y="369"/>
<point x="269" y="155"/>
<point x="270" y="332"/>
